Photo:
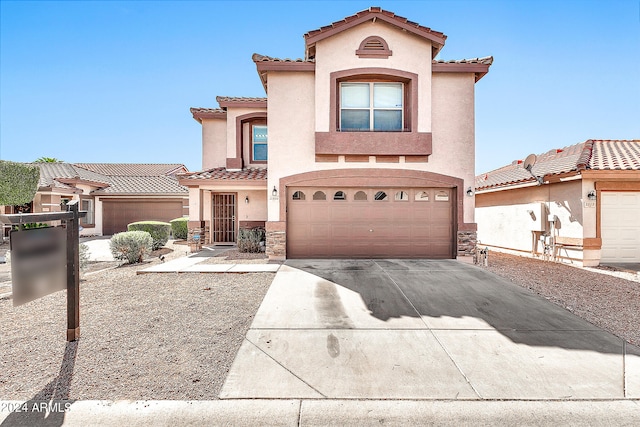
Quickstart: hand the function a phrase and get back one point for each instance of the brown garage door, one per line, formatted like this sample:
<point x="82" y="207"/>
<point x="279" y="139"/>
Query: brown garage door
<point x="116" y="214"/>
<point x="370" y="222"/>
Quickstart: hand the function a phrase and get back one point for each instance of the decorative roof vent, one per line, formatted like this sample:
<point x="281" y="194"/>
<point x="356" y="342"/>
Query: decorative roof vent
<point x="374" y="47"/>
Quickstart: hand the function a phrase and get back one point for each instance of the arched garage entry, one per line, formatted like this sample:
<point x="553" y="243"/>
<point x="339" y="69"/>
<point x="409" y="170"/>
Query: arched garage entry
<point x="371" y="213"/>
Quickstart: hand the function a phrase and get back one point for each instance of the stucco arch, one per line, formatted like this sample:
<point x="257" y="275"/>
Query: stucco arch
<point x="372" y="177"/>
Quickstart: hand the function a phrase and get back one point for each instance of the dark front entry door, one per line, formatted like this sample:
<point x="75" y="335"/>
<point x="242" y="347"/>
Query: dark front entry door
<point x="223" y="228"/>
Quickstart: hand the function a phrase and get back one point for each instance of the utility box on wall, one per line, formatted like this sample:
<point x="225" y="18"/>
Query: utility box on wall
<point x="538" y="215"/>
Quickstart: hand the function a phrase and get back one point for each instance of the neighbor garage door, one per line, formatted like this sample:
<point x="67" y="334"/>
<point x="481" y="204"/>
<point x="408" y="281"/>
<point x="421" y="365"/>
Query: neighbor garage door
<point x="116" y="214"/>
<point x="620" y="226"/>
<point x="370" y="223"/>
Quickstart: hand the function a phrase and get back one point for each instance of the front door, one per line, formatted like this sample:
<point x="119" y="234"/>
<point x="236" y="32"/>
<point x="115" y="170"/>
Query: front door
<point x="223" y="227"/>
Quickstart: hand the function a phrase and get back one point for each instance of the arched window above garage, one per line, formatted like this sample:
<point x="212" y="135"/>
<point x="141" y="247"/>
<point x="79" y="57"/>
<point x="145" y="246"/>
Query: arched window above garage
<point x="319" y="195"/>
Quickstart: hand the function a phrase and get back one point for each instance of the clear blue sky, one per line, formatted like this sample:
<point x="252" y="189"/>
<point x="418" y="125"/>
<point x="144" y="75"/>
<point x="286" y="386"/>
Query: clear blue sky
<point x="114" y="81"/>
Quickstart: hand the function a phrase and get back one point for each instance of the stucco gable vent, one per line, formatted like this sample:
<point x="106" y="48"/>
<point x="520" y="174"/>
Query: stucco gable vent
<point x="374" y="47"/>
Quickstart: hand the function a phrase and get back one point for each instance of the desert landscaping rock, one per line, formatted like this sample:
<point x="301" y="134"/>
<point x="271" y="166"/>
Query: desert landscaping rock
<point x="169" y="336"/>
<point x="608" y="301"/>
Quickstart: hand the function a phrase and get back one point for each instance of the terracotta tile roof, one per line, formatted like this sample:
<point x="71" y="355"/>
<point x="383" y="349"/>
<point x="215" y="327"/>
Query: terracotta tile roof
<point x="478" y="66"/>
<point x="208" y="113"/>
<point x="132" y="169"/>
<point x="166" y="185"/>
<point x="384" y="15"/>
<point x="263" y="58"/>
<point x="52" y="175"/>
<point x="615" y="155"/>
<point x="487" y="60"/>
<point x="256" y="174"/>
<point x="588" y="155"/>
<point x="238" y="99"/>
<point x="64" y="176"/>
<point x="195" y="110"/>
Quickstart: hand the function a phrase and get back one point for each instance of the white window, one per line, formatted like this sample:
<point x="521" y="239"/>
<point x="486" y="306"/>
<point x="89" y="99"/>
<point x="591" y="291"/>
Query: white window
<point x="259" y="143"/>
<point x="371" y="106"/>
<point x="87" y="205"/>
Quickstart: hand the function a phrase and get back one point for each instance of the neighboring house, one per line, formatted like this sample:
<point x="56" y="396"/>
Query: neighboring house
<point x="113" y="194"/>
<point x="364" y="148"/>
<point x="585" y="210"/>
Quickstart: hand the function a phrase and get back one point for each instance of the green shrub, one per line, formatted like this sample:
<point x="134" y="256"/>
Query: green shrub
<point x="31" y="225"/>
<point x="131" y="246"/>
<point x="249" y="239"/>
<point x="158" y="230"/>
<point x="179" y="227"/>
<point x="84" y="256"/>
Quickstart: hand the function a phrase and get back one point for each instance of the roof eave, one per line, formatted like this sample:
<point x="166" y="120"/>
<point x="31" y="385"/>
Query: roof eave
<point x="436" y="40"/>
<point x="200" y="114"/>
<point x="478" y="69"/>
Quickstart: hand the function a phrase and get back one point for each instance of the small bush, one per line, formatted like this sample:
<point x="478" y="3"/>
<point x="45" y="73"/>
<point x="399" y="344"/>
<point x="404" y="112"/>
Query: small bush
<point x="84" y="256"/>
<point x="179" y="227"/>
<point x="158" y="230"/>
<point x="131" y="246"/>
<point x="249" y="239"/>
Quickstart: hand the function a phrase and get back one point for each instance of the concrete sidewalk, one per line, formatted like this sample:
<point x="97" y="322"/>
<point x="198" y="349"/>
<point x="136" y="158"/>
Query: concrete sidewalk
<point x="193" y="265"/>
<point x="332" y="412"/>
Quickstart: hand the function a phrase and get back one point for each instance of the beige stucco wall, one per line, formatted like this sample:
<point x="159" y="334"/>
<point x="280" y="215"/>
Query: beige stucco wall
<point x="410" y="53"/>
<point x="454" y="131"/>
<point x="232" y="114"/>
<point x="292" y="135"/>
<point x="214" y="143"/>
<point x="503" y="218"/>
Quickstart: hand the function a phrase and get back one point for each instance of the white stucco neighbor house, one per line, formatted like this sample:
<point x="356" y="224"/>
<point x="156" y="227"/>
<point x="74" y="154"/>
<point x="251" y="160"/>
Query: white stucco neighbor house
<point x="363" y="148"/>
<point x="583" y="204"/>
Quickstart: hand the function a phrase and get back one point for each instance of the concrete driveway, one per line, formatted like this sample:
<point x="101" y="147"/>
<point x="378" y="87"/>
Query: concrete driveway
<point x="423" y="329"/>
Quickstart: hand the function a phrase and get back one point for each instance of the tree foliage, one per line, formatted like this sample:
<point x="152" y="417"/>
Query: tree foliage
<point x="47" y="160"/>
<point x="18" y="183"/>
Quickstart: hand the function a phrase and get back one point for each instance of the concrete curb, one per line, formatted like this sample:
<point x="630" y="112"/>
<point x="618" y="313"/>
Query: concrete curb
<point x="294" y="412"/>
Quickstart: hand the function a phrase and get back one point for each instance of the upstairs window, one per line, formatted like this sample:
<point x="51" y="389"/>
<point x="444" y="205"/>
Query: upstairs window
<point x="371" y="106"/>
<point x="259" y="143"/>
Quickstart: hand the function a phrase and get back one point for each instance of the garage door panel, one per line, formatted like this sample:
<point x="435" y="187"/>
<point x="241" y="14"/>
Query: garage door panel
<point x="117" y="214"/>
<point x="620" y="227"/>
<point x="395" y="227"/>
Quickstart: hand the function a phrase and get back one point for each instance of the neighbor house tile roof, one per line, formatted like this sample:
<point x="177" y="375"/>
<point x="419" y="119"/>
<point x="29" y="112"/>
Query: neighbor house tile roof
<point x="256" y="174"/>
<point x="151" y="185"/>
<point x="589" y="155"/>
<point x="132" y="169"/>
<point x="53" y="175"/>
<point x="122" y="178"/>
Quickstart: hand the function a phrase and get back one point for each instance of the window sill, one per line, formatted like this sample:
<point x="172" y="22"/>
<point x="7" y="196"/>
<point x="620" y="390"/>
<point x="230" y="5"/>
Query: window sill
<point x="396" y="143"/>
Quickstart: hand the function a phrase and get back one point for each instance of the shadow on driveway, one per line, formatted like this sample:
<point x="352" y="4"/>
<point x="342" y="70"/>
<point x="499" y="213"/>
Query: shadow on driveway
<point x="450" y="295"/>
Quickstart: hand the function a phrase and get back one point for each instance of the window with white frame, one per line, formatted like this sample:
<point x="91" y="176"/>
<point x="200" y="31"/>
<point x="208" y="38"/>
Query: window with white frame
<point x="87" y="205"/>
<point x="371" y="106"/>
<point x="259" y="141"/>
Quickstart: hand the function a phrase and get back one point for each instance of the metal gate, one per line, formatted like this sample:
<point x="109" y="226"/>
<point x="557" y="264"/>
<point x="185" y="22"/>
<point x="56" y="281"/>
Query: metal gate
<point x="223" y="227"/>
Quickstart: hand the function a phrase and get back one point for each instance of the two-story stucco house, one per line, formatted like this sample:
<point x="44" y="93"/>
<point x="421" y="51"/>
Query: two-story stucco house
<point x="365" y="148"/>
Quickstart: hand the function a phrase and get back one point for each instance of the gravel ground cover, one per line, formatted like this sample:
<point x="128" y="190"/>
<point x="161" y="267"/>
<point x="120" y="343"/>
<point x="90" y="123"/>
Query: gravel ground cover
<point x="159" y="336"/>
<point x="606" y="300"/>
<point x="234" y="256"/>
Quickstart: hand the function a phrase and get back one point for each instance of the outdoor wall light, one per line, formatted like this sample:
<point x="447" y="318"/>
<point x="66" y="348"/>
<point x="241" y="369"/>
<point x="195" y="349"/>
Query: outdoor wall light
<point x="274" y="192"/>
<point x="469" y="192"/>
<point x="246" y="200"/>
<point x="591" y="195"/>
